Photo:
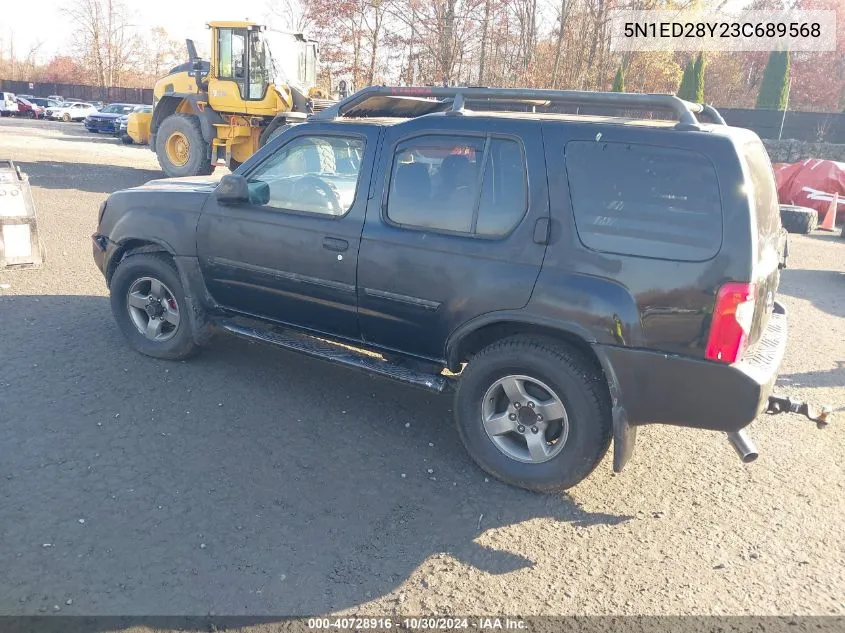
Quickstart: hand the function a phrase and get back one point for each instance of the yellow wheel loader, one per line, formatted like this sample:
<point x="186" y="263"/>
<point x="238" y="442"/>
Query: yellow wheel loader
<point x="220" y="113"/>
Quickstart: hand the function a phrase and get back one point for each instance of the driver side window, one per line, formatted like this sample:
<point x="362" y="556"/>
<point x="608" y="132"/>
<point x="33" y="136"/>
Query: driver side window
<point x="313" y="174"/>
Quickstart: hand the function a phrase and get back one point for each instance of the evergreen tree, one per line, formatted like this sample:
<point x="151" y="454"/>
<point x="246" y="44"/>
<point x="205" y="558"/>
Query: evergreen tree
<point x="774" y="89"/>
<point x="685" y="91"/>
<point x="699" y="79"/>
<point x="619" y="81"/>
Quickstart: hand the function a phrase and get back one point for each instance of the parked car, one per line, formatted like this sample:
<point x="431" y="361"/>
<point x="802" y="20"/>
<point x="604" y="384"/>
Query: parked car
<point x="29" y="109"/>
<point x="58" y="98"/>
<point x="577" y="276"/>
<point x="45" y="102"/>
<point x="135" y="126"/>
<point x="107" y="119"/>
<point x="71" y="111"/>
<point x="8" y="104"/>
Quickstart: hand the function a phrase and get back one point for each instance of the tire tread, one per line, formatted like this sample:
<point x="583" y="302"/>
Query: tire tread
<point x="573" y="362"/>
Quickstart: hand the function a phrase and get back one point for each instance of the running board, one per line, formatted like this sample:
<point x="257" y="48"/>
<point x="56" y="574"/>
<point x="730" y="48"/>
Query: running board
<point x="342" y="355"/>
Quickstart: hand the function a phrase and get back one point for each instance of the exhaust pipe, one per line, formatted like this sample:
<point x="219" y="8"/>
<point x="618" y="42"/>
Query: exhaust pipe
<point x="744" y="446"/>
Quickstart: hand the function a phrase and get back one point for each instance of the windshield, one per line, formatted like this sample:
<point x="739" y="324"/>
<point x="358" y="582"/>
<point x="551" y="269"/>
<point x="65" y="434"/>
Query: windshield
<point x="117" y="108"/>
<point x="260" y="65"/>
<point x="293" y="61"/>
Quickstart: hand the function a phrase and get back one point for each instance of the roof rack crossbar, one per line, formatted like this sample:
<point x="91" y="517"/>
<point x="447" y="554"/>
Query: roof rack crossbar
<point x="684" y="110"/>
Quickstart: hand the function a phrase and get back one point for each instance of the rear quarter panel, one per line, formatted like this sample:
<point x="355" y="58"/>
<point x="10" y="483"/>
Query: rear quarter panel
<point x="630" y="300"/>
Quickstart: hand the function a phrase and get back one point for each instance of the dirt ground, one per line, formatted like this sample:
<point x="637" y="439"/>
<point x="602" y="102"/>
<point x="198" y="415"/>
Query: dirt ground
<point x="255" y="481"/>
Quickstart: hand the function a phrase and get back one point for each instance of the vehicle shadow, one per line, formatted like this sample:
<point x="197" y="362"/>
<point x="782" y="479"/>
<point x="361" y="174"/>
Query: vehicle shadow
<point x="90" y="177"/>
<point x="249" y="480"/>
<point x="826" y="236"/>
<point x="820" y="378"/>
<point x="823" y="288"/>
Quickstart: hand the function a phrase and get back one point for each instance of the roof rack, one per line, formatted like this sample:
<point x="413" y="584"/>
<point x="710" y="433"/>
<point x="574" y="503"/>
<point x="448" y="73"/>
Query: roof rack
<point x="453" y="99"/>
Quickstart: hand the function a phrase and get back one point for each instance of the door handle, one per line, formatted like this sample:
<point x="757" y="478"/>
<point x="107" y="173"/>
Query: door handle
<point x="335" y="244"/>
<point x="541" y="231"/>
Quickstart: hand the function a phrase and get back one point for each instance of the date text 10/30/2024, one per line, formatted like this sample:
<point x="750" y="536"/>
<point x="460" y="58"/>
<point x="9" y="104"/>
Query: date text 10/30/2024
<point x="416" y="624"/>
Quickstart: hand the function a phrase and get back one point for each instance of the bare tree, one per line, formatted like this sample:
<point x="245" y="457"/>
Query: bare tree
<point x="106" y="44"/>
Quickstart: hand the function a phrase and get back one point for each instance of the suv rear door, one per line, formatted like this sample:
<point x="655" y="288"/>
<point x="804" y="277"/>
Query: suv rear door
<point x="451" y="234"/>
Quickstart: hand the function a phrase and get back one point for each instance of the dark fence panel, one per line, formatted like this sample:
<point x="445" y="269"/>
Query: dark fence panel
<point x="816" y="127"/>
<point x="78" y="91"/>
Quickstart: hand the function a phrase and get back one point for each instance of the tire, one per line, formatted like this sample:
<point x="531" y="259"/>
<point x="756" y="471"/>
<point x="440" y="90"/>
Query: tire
<point x="842" y="232"/>
<point x="66" y="118"/>
<point x="797" y="219"/>
<point x="155" y="266"/>
<point x="197" y="162"/>
<point x="578" y="384"/>
<point x="126" y="139"/>
<point x="276" y="127"/>
<point x="234" y="164"/>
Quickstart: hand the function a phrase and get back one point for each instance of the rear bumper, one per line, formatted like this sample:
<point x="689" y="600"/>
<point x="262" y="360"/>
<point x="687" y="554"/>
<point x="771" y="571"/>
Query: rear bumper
<point x="660" y="388"/>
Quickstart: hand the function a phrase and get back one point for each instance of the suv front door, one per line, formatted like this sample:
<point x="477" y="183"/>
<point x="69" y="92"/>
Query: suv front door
<point x="292" y="257"/>
<point x="458" y="232"/>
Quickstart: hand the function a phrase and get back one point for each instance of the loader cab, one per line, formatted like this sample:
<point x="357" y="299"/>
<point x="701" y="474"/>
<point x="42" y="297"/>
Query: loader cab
<point x="242" y="58"/>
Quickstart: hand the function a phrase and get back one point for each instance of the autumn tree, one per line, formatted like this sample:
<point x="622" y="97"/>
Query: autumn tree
<point x="62" y="69"/>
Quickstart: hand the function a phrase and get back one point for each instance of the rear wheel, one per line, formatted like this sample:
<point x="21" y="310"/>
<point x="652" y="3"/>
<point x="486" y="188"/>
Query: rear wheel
<point x="181" y="148"/>
<point x="797" y="219"/>
<point x="534" y="413"/>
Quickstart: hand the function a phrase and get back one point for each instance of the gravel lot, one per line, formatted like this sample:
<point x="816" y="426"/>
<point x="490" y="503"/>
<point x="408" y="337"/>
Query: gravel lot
<point x="255" y="481"/>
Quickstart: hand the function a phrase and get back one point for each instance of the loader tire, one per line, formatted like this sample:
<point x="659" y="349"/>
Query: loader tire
<point x="797" y="219"/>
<point x="276" y="127"/>
<point x="181" y="148"/>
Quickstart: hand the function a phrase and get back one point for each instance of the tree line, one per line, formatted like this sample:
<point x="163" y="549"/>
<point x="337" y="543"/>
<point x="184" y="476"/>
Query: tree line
<point x="546" y="44"/>
<point x="535" y="43"/>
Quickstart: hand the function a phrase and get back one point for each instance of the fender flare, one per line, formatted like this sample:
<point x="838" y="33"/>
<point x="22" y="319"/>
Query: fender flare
<point x="624" y="435"/>
<point x="460" y="333"/>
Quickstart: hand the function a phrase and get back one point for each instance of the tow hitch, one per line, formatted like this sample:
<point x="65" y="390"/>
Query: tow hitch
<point x="744" y="445"/>
<point x="782" y="404"/>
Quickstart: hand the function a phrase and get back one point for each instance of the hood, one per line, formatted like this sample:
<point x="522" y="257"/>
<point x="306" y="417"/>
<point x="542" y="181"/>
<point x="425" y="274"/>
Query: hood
<point x="170" y="197"/>
<point x="105" y="116"/>
<point x="198" y="184"/>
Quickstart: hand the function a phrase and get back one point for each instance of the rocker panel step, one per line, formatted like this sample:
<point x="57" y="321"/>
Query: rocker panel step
<point x="316" y="348"/>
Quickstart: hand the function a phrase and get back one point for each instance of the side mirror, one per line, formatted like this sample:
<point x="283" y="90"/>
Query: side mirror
<point x="259" y="192"/>
<point x="232" y="189"/>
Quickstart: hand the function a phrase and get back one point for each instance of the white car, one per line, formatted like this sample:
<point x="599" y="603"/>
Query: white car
<point x="8" y="104"/>
<point x="71" y="111"/>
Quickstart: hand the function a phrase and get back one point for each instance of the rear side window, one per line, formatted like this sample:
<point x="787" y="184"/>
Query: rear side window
<point x="470" y="185"/>
<point x="765" y="189"/>
<point x="644" y="200"/>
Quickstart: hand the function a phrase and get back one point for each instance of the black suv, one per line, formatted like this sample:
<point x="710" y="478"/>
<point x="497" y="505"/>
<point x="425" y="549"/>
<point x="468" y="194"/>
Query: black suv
<point x="571" y="277"/>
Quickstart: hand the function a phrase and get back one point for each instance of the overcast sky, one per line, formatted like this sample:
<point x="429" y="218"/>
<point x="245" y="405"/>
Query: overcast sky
<point x="34" y="21"/>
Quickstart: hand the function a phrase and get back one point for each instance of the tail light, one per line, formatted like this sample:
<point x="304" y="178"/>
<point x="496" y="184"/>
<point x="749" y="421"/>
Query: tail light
<point x="731" y="322"/>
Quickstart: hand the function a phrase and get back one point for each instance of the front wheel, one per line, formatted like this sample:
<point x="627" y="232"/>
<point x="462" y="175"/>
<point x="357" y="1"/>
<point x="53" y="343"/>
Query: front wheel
<point x="534" y="413"/>
<point x="148" y="303"/>
<point x="66" y="118"/>
<point x="181" y="148"/>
